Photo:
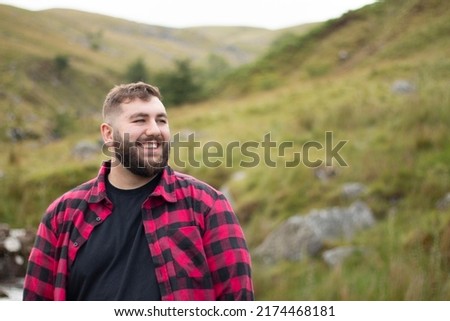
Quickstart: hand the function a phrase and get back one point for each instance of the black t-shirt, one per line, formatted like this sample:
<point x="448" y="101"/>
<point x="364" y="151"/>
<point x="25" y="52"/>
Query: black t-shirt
<point x="115" y="263"/>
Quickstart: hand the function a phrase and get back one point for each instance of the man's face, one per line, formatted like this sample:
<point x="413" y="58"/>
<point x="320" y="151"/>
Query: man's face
<point x="141" y="137"/>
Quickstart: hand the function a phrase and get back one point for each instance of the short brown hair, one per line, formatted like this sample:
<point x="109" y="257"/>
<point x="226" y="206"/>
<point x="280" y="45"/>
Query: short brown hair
<point x="126" y="93"/>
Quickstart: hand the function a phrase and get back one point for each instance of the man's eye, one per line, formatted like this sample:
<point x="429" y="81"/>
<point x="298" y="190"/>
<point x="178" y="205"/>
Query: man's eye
<point x="138" y="121"/>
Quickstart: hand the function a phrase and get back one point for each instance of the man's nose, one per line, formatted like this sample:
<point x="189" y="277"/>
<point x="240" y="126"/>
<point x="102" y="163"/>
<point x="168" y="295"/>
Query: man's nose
<point x="152" y="128"/>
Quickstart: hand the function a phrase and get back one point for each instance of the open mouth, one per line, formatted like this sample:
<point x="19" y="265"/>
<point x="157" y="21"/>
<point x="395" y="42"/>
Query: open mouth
<point x="153" y="144"/>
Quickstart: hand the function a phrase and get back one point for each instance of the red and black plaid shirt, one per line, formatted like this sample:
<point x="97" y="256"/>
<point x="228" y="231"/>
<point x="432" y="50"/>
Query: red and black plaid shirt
<point x="194" y="238"/>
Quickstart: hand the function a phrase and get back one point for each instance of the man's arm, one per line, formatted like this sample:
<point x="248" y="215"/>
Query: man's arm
<point x="227" y="253"/>
<point x="39" y="281"/>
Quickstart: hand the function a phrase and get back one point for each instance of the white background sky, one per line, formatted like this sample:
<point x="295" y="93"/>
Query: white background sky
<point x="272" y="14"/>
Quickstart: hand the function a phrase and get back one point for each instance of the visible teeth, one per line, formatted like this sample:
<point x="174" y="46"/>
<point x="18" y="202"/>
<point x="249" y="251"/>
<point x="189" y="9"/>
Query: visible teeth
<point x="149" y="144"/>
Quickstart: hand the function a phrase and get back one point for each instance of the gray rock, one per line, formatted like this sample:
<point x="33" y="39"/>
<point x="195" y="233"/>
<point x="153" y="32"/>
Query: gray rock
<point x="12" y="290"/>
<point x="3" y="294"/>
<point x="301" y="236"/>
<point x="4" y="231"/>
<point x="292" y="241"/>
<point x="343" y="55"/>
<point x="402" y="86"/>
<point x="335" y="257"/>
<point x="443" y="203"/>
<point x="353" y="190"/>
<point x="336" y="223"/>
<point x="325" y="173"/>
<point x="86" y="150"/>
<point x="12" y="244"/>
<point x="15" y="247"/>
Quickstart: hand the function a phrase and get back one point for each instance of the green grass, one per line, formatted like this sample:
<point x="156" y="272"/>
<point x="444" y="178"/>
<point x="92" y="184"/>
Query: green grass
<point x="397" y="145"/>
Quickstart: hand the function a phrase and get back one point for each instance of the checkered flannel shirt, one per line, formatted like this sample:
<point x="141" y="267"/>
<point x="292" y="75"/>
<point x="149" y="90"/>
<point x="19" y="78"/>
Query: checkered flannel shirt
<point x="197" y="245"/>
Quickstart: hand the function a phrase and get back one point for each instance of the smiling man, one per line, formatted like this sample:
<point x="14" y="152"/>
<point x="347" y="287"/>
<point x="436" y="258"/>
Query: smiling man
<point x="139" y="132"/>
<point x="139" y="230"/>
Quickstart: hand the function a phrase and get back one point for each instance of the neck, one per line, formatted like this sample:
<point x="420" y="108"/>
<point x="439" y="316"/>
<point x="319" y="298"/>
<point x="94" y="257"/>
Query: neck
<point x="122" y="178"/>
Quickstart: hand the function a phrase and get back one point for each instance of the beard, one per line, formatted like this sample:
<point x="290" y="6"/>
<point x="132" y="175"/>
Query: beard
<point x="132" y="155"/>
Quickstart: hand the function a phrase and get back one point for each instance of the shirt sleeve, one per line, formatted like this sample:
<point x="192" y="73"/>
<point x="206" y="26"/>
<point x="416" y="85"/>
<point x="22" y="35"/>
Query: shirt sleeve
<point x="227" y="253"/>
<point x="40" y="276"/>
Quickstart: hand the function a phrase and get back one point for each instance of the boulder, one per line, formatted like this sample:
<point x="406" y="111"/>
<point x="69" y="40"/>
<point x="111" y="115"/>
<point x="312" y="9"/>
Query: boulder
<point x="305" y="235"/>
<point x="292" y="241"/>
<point x="15" y="247"/>
<point x="335" y="257"/>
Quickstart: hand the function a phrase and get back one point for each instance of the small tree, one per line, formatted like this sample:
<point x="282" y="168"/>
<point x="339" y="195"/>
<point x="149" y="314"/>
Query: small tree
<point x="61" y="63"/>
<point x="95" y="39"/>
<point x="180" y="85"/>
<point x="137" y="71"/>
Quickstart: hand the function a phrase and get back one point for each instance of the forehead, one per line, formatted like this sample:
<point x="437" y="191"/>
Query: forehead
<point x="153" y="107"/>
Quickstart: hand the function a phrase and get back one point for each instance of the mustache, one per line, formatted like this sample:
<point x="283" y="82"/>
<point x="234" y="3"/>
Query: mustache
<point x="151" y="139"/>
<point x="140" y="141"/>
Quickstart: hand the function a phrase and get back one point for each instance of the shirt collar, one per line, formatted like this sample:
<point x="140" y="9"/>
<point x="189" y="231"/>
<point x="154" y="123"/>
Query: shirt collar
<point x="165" y="189"/>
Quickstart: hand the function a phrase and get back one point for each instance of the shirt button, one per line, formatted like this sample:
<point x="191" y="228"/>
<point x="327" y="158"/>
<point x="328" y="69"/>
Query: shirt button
<point x="98" y="219"/>
<point x="75" y="244"/>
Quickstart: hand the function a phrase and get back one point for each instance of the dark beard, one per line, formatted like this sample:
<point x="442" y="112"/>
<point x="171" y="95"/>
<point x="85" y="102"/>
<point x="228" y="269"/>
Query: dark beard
<point x="127" y="153"/>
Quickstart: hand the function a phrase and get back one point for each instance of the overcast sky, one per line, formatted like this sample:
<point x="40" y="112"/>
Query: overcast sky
<point x="272" y="14"/>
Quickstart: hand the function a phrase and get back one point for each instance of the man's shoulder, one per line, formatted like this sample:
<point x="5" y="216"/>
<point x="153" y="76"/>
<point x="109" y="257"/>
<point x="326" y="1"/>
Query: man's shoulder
<point x="186" y="180"/>
<point x="202" y="194"/>
<point x="190" y="180"/>
<point x="84" y="188"/>
<point x="62" y="209"/>
<point x="77" y="194"/>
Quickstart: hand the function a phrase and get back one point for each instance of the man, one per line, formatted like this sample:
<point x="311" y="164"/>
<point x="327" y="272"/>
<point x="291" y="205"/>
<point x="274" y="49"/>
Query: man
<point x="139" y="230"/>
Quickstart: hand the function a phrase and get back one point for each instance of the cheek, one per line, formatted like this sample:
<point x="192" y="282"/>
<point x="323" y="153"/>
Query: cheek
<point x="133" y="134"/>
<point x="165" y="132"/>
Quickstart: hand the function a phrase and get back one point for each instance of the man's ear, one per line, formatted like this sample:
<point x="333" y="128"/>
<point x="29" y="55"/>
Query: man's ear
<point x="107" y="133"/>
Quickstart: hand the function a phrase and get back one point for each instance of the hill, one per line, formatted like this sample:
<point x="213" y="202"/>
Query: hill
<point x="375" y="82"/>
<point x="409" y="32"/>
<point x="54" y="63"/>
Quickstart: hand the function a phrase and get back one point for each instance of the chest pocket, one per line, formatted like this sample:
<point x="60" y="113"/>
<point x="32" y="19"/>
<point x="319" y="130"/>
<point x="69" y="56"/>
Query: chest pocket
<point x="188" y="256"/>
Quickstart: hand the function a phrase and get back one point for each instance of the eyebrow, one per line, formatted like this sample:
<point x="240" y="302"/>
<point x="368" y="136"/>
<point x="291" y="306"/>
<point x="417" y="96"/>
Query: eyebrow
<point x="146" y="115"/>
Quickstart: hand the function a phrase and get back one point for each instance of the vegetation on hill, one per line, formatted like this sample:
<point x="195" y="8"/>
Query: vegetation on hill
<point x="375" y="78"/>
<point x="53" y="63"/>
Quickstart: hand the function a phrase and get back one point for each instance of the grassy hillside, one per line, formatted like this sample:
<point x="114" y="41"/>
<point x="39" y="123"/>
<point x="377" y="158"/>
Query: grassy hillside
<point x="111" y="40"/>
<point x="343" y="77"/>
<point x="58" y="64"/>
<point x="374" y="38"/>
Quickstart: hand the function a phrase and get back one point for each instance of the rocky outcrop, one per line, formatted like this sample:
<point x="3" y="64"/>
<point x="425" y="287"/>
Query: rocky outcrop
<point x="305" y="235"/>
<point x="443" y="203"/>
<point x="15" y="247"/>
<point x="336" y="256"/>
<point x="403" y="86"/>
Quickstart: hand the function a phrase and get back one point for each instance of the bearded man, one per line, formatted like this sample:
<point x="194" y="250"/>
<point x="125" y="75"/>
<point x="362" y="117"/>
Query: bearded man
<point x="139" y="230"/>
